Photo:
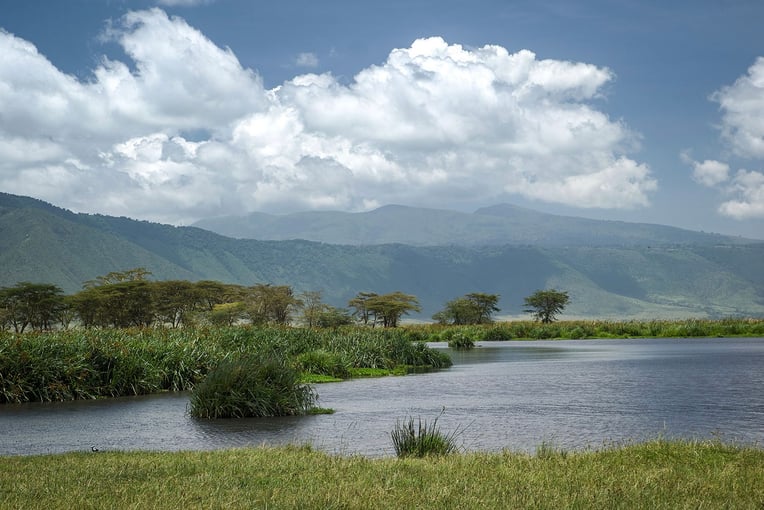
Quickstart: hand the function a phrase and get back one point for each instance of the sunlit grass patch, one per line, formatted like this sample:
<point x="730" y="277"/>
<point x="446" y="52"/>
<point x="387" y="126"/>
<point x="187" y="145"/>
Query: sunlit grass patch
<point x="655" y="475"/>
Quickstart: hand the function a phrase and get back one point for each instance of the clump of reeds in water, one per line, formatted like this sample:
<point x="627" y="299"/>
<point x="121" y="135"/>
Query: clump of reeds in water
<point x="461" y="342"/>
<point x="418" y="438"/>
<point x="251" y="386"/>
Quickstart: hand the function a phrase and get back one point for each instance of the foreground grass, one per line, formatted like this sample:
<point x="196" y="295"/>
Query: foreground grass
<point x="658" y="474"/>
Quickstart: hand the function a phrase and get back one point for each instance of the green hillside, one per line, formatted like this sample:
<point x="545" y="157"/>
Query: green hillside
<point x="42" y="243"/>
<point x="497" y="225"/>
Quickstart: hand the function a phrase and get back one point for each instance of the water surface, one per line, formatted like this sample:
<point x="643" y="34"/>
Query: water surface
<point x="516" y="395"/>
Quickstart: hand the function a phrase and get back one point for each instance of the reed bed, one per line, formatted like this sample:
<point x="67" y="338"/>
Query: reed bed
<point x="655" y="475"/>
<point x="94" y="363"/>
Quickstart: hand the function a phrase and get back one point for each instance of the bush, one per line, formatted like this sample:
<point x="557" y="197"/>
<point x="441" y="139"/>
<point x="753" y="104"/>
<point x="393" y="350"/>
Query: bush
<point x="251" y="386"/>
<point x="422" y="440"/>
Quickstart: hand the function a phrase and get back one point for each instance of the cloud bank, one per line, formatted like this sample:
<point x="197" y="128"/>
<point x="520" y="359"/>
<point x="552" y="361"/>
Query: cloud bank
<point x="186" y="132"/>
<point x="742" y="128"/>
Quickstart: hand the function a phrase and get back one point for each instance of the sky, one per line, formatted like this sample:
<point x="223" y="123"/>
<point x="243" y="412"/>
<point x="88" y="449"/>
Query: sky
<point x="177" y="110"/>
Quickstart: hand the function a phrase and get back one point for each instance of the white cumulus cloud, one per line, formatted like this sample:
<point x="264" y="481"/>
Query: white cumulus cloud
<point x="742" y="105"/>
<point x="184" y="131"/>
<point x="710" y="172"/>
<point x="749" y="189"/>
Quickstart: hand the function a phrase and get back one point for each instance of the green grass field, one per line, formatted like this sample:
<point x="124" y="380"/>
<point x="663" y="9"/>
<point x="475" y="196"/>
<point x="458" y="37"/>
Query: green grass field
<point x="653" y="475"/>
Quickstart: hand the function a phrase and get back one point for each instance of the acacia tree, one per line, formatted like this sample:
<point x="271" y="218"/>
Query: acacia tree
<point x="173" y="301"/>
<point x="119" y="305"/>
<point x="311" y="307"/>
<point x="363" y="313"/>
<point x="129" y="275"/>
<point x="31" y="304"/>
<point x="389" y="308"/>
<point x="544" y="305"/>
<point x="473" y="308"/>
<point x="317" y="314"/>
<point x="268" y="303"/>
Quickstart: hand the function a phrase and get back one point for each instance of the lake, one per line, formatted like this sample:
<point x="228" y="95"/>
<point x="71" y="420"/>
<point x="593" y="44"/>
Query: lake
<point x="574" y="394"/>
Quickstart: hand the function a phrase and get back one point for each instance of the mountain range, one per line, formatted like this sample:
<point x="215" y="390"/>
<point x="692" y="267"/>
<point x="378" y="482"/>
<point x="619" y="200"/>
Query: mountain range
<point x="496" y="225"/>
<point x="611" y="269"/>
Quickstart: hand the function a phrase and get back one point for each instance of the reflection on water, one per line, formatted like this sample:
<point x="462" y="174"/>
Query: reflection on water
<point x="514" y="395"/>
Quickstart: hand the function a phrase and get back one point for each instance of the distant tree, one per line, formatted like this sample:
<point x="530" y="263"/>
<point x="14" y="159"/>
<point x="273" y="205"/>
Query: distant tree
<point x="227" y="314"/>
<point x="34" y="305"/>
<point x="317" y="314"/>
<point x="273" y="304"/>
<point x="67" y="314"/>
<point x="120" y="305"/>
<point x="333" y="317"/>
<point x="485" y="305"/>
<point x="311" y="307"/>
<point x="388" y="309"/>
<point x="360" y="303"/>
<point x="546" y="304"/>
<point x="210" y="293"/>
<point x="473" y="308"/>
<point x="174" y="300"/>
<point x="130" y="275"/>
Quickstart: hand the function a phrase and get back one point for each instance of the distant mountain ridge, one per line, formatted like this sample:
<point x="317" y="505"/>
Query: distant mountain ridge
<point x="43" y="243"/>
<point x="496" y="225"/>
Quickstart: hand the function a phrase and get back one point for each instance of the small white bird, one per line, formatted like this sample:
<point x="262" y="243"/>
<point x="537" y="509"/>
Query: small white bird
<point x="94" y="449"/>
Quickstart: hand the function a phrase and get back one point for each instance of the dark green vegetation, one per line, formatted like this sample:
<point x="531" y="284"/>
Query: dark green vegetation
<point x="654" y="475"/>
<point x="251" y="385"/>
<point x="81" y="364"/>
<point x="497" y="225"/>
<point x="422" y="438"/>
<point x="708" y="276"/>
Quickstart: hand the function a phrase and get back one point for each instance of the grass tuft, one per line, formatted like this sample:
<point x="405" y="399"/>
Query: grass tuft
<point x="422" y="439"/>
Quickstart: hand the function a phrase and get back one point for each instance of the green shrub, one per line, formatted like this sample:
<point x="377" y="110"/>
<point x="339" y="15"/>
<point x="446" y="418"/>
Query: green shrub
<point x="251" y="386"/>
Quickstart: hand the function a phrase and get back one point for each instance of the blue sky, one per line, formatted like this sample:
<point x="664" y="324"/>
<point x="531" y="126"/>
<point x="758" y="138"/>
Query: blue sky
<point x="176" y="110"/>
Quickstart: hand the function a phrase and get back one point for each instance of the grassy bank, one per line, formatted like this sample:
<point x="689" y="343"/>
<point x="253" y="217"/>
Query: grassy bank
<point x="574" y="330"/>
<point x="81" y="364"/>
<point x="653" y="475"/>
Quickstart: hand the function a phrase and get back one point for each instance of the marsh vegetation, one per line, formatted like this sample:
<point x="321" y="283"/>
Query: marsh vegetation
<point x="92" y="363"/>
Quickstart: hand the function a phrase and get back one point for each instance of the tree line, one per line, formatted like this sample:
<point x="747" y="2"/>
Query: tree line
<point x="130" y="299"/>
